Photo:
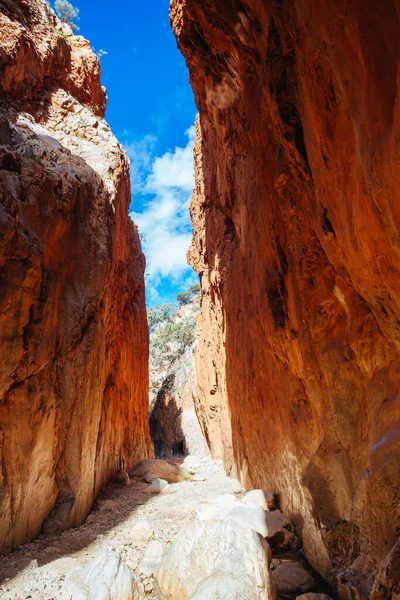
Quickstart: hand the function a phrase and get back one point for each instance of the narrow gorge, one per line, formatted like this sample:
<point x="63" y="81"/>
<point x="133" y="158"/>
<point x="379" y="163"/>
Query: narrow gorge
<point x="280" y="418"/>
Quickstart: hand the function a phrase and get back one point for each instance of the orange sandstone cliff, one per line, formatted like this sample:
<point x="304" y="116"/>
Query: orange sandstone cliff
<point x="73" y="332"/>
<point x="296" y="216"/>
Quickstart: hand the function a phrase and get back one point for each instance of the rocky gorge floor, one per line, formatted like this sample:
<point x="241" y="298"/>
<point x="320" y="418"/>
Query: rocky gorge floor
<point x="202" y="539"/>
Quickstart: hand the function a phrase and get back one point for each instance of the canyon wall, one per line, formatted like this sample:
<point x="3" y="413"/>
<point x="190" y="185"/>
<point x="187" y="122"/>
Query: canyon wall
<point x="296" y="216"/>
<point x="73" y="331"/>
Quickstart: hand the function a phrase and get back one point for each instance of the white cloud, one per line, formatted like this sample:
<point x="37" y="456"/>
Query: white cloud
<point x="165" y="222"/>
<point x="173" y="169"/>
<point x="140" y="155"/>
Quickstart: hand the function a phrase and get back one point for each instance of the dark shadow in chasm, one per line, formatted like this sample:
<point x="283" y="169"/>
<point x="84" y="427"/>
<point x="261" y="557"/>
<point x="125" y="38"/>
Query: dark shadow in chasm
<point x="166" y="423"/>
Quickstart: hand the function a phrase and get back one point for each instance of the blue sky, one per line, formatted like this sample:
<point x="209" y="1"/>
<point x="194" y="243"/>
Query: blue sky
<point x="151" y="111"/>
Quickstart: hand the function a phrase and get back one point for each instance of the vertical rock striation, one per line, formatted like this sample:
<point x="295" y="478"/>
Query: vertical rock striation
<point x="73" y="332"/>
<point x="296" y="218"/>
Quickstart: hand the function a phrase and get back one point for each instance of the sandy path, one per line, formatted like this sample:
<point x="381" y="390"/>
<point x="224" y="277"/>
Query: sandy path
<point x="37" y="569"/>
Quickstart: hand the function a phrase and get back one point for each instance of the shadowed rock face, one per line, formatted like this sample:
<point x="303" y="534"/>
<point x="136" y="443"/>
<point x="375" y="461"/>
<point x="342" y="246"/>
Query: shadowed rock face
<point x="73" y="332"/>
<point x="296" y="217"/>
<point x="174" y="425"/>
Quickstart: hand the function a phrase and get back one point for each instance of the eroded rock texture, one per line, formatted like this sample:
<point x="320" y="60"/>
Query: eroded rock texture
<point x="73" y="333"/>
<point x="296" y="219"/>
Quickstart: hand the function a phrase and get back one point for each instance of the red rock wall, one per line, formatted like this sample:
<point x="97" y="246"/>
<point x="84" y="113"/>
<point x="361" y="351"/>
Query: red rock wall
<point x="73" y="331"/>
<point x="296" y="218"/>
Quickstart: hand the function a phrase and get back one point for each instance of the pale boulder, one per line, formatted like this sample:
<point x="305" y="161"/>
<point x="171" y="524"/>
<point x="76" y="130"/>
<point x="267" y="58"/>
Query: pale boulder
<point x="105" y="577"/>
<point x="216" y="548"/>
<point x="159" y="468"/>
<point x="156" y="487"/>
<point x="194" y="463"/>
<point x="264" y="499"/>
<point x="218" y="508"/>
<point x="265" y="523"/>
<point x="228" y="507"/>
<point x="226" y="587"/>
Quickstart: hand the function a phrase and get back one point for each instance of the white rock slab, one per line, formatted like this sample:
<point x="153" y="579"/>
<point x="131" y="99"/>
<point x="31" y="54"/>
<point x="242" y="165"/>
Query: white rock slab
<point x="105" y="577"/>
<point x="265" y="523"/>
<point x="151" y="560"/>
<point x="216" y="548"/>
<point x="218" y="508"/>
<point x="263" y="499"/>
<point x="156" y="486"/>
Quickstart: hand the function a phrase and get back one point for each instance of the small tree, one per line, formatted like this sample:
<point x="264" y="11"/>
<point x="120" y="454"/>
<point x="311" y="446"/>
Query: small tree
<point x="194" y="289"/>
<point x="67" y="13"/>
<point x="172" y="339"/>
<point x="159" y="314"/>
<point x="183" y="298"/>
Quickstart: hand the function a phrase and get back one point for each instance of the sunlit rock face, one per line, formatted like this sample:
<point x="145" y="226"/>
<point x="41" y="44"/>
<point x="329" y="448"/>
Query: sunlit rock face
<point x="174" y="422"/>
<point x="296" y="217"/>
<point x="73" y="332"/>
